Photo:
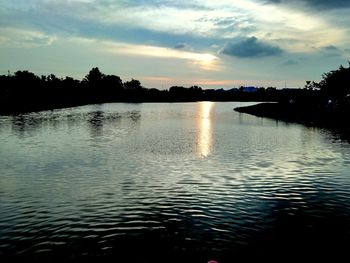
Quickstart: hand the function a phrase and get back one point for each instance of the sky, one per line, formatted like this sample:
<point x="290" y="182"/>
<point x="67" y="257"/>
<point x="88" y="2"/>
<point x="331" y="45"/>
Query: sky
<point x="213" y="44"/>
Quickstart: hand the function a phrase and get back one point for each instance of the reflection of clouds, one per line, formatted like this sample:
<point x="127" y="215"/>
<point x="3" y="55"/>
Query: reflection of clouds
<point x="205" y="137"/>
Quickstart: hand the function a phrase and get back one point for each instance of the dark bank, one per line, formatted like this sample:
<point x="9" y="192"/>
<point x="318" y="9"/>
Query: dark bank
<point x="26" y="92"/>
<point x="327" y="104"/>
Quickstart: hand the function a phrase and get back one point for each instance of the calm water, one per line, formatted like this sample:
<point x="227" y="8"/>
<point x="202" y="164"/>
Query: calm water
<point x="181" y="182"/>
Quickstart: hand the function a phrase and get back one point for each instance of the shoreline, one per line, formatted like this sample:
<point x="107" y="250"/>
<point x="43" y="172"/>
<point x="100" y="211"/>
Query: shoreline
<point x="309" y="115"/>
<point x="8" y="111"/>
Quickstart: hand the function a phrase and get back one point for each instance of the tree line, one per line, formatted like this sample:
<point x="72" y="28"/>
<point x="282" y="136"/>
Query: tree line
<point x="24" y="91"/>
<point x="325" y="103"/>
<point x="334" y="85"/>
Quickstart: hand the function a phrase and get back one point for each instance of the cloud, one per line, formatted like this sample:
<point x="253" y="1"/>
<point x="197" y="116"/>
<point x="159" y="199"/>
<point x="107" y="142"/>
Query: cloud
<point x="196" y="5"/>
<point x="318" y="4"/>
<point x="250" y="47"/>
<point x="203" y="22"/>
<point x="21" y="38"/>
<point x="182" y="46"/>
<point x="331" y="48"/>
<point x="204" y="61"/>
<point x="291" y="62"/>
<point x="331" y="51"/>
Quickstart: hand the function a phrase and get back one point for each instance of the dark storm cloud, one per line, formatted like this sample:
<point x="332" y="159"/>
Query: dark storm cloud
<point x="182" y="46"/>
<point x="250" y="47"/>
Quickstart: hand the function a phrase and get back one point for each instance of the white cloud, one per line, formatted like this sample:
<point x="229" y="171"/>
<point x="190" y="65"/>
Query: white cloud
<point x="205" y="61"/>
<point x="226" y="19"/>
<point x="295" y="30"/>
<point x="22" y="38"/>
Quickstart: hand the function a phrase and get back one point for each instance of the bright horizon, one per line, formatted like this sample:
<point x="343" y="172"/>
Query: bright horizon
<point x="222" y="44"/>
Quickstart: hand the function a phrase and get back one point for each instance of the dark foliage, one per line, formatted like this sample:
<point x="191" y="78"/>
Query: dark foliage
<point x="334" y="84"/>
<point x="326" y="103"/>
<point x="24" y="91"/>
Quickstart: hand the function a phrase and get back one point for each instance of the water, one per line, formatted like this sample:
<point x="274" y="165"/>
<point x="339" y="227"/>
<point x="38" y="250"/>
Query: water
<point x="180" y="182"/>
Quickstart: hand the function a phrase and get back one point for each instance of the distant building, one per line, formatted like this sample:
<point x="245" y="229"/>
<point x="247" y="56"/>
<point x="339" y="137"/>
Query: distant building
<point x="250" y="89"/>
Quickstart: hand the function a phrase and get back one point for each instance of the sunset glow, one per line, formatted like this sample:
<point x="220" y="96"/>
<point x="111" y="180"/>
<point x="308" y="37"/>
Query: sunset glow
<point x="230" y="43"/>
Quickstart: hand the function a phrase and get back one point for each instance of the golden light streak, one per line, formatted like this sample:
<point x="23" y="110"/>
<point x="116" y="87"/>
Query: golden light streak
<point x="205" y="133"/>
<point x="205" y="60"/>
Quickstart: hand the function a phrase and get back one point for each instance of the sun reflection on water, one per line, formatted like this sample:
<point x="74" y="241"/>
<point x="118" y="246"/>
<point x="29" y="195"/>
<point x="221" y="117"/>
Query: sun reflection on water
<point x="205" y="137"/>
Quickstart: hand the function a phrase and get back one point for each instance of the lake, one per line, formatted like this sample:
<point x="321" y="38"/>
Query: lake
<point x="170" y="182"/>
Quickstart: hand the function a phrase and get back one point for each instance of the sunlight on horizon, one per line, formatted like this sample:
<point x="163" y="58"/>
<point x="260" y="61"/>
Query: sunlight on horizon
<point x="206" y="61"/>
<point x="205" y="136"/>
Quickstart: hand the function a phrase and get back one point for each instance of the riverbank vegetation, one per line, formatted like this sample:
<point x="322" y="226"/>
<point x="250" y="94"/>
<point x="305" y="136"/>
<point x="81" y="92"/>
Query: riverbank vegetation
<point x="324" y="103"/>
<point x="24" y="91"/>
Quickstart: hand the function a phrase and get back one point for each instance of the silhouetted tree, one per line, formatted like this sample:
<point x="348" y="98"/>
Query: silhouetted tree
<point x="335" y="83"/>
<point x="25" y="84"/>
<point x="133" y="84"/>
<point x="94" y="78"/>
<point x="112" y="82"/>
<point x="24" y="91"/>
<point x="177" y="89"/>
<point x="26" y="76"/>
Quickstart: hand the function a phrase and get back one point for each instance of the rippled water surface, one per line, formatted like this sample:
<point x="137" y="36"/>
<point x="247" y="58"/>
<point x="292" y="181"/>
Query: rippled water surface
<point x="180" y="182"/>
